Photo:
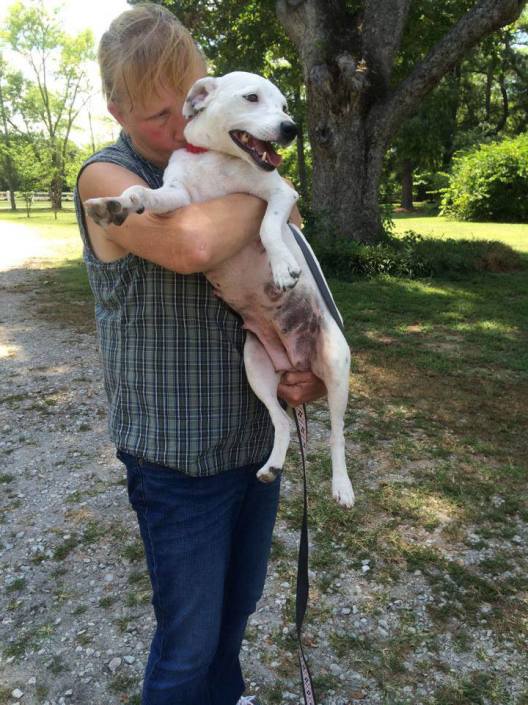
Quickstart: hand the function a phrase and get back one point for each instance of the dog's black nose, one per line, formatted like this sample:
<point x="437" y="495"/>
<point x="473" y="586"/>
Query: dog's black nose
<point x="288" y="131"/>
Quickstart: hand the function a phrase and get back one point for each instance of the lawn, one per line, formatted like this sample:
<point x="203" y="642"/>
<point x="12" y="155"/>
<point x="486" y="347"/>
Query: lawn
<point x="437" y="448"/>
<point x="424" y="222"/>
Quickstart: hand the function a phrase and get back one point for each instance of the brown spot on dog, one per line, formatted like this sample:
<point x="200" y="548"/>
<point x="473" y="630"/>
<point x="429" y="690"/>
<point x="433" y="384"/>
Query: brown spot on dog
<point x="297" y="315"/>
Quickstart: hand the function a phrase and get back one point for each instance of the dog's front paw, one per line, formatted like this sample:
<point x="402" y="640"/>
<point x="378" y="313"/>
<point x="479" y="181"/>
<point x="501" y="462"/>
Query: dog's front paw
<point x="342" y="492"/>
<point x="106" y="211"/>
<point x="134" y="198"/>
<point x="285" y="275"/>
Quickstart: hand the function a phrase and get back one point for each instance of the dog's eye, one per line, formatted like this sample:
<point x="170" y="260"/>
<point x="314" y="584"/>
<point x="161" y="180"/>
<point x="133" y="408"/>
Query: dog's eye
<point x="252" y="97"/>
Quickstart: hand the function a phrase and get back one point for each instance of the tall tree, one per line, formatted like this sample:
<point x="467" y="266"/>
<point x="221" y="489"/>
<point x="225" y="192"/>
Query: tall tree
<point x="348" y="50"/>
<point x="60" y="85"/>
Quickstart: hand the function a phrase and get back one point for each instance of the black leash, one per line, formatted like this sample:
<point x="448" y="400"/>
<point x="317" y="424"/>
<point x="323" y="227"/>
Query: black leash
<point x="317" y="274"/>
<point x="303" y="585"/>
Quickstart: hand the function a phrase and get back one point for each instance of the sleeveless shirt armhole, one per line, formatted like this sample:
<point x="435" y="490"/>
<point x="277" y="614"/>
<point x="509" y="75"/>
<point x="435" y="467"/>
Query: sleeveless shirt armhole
<point x="89" y="254"/>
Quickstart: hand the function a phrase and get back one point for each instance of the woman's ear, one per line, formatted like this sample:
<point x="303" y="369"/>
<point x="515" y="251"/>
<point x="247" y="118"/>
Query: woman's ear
<point x="116" y="112"/>
<point x="199" y="96"/>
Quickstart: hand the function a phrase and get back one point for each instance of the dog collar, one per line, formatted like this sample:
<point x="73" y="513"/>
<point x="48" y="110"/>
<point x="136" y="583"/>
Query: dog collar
<point x="195" y="150"/>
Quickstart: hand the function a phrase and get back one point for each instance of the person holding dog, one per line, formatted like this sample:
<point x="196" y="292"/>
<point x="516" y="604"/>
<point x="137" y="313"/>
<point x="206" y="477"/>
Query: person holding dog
<point x="185" y="422"/>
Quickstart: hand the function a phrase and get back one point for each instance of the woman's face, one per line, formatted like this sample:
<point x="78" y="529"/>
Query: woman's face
<point x="156" y="130"/>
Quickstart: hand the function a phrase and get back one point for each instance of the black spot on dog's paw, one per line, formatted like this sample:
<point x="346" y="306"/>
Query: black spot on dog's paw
<point x="289" y="287"/>
<point x="294" y="274"/>
<point x="119" y="218"/>
<point x="114" y="206"/>
<point x="270" y="475"/>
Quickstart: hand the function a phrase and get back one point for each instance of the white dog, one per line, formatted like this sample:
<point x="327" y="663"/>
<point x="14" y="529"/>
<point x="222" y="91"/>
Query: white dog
<point x="235" y="118"/>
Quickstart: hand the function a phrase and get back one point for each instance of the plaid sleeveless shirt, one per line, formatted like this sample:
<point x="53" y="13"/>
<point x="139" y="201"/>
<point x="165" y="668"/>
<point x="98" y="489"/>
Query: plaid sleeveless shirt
<point x="172" y="356"/>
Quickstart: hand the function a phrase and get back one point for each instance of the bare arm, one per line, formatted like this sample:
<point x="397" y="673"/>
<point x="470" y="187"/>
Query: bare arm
<point x="192" y="239"/>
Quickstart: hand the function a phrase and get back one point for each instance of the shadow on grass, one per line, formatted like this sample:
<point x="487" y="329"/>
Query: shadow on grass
<point x="455" y="353"/>
<point x="411" y="255"/>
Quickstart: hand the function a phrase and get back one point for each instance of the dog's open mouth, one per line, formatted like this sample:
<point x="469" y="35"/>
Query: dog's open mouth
<point x="262" y="152"/>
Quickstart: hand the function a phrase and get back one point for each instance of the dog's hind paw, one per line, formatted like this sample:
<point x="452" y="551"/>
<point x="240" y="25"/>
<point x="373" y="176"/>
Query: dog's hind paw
<point x="285" y="276"/>
<point x="342" y="492"/>
<point x="268" y="475"/>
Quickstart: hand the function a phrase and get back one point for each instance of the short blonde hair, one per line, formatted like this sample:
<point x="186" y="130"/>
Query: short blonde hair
<point x="145" y="48"/>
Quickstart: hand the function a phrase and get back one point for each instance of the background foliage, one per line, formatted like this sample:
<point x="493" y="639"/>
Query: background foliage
<point x="490" y="182"/>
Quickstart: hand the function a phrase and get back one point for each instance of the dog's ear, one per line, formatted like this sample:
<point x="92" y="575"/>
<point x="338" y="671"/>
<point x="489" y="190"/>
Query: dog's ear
<point x="199" y="96"/>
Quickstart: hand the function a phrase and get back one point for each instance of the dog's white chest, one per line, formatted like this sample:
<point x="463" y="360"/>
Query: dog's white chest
<point x="210" y="175"/>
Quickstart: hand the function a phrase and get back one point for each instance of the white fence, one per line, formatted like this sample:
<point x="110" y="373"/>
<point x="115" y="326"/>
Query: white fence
<point x="37" y="196"/>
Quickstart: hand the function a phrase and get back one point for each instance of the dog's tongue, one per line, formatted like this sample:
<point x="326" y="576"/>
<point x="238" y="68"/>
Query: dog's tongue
<point x="272" y="157"/>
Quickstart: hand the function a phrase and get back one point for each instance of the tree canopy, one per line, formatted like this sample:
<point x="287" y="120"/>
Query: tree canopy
<point x="44" y="105"/>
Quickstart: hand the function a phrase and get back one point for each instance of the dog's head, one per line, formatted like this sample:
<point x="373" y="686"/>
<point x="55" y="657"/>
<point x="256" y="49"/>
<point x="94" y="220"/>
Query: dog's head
<point x="240" y="114"/>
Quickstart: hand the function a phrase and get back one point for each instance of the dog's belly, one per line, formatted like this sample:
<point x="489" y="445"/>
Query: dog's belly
<point x="286" y="323"/>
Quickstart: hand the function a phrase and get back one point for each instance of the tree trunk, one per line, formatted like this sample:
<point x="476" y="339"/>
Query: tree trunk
<point x="301" y="159"/>
<point x="301" y="162"/>
<point x="455" y="78"/>
<point x="489" y="85"/>
<point x="346" y="173"/>
<point x="56" y="193"/>
<point x="407" y="184"/>
<point x="57" y="180"/>
<point x="505" y="105"/>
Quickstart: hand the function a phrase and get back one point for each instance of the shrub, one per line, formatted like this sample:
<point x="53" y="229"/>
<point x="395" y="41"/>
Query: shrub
<point x="413" y="256"/>
<point x="490" y="183"/>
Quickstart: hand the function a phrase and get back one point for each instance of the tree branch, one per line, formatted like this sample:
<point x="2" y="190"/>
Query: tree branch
<point x="305" y="24"/>
<point x="485" y="17"/>
<point x="383" y="25"/>
<point x="328" y="39"/>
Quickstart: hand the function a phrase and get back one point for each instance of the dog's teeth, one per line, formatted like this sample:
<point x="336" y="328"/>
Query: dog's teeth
<point x="245" y="138"/>
<point x="264" y="156"/>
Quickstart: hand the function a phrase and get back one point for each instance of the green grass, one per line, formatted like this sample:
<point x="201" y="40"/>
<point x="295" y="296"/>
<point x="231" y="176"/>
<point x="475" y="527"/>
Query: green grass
<point x="425" y="222"/>
<point x="49" y="227"/>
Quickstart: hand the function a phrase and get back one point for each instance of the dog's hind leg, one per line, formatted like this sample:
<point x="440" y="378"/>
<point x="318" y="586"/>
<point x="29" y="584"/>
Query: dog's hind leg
<point x="264" y="382"/>
<point x="333" y="367"/>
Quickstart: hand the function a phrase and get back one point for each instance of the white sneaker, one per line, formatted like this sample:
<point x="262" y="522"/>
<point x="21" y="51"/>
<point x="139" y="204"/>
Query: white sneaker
<point x="247" y="700"/>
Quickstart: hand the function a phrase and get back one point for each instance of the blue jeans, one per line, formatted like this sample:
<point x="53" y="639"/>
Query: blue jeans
<point x="207" y="544"/>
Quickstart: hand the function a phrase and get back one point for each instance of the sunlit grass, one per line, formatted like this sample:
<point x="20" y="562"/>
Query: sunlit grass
<point x="513" y="234"/>
<point x="40" y="216"/>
